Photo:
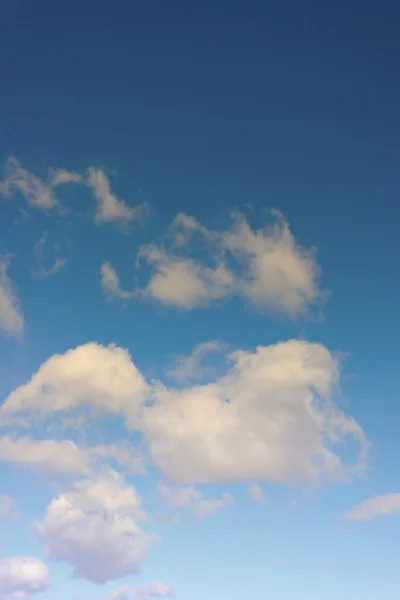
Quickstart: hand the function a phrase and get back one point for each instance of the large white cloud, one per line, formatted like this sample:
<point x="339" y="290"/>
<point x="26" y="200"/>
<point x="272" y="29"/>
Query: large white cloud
<point x="265" y="266"/>
<point x="103" y="378"/>
<point x="94" y="527"/>
<point x="21" y="577"/>
<point x="383" y="505"/>
<point x="270" y="417"/>
<point x="11" y="317"/>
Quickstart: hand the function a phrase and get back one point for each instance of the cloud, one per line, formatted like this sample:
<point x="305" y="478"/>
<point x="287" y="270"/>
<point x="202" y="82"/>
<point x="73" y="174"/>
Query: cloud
<point x="57" y="457"/>
<point x="270" y="416"/>
<point x="37" y="193"/>
<point x="40" y="193"/>
<point x="21" y="577"/>
<point x="58" y="177"/>
<point x="110" y="284"/>
<point x="11" y="318"/>
<point x="192" y="367"/>
<point x="188" y="498"/>
<point x="109" y="207"/>
<point x="40" y="270"/>
<point x="154" y="589"/>
<point x="102" y="378"/>
<point x="265" y="267"/>
<point x="383" y="505"/>
<point x="93" y="526"/>
<point x="256" y="493"/>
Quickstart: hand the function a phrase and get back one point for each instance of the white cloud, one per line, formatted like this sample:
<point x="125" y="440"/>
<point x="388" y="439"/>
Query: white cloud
<point x="271" y="270"/>
<point x="383" y="505"/>
<point x="11" y="318"/>
<point x="154" y="589"/>
<point x="93" y="526"/>
<point x="21" y="577"/>
<point x="40" y="270"/>
<point x="103" y="378"/>
<point x="271" y="417"/>
<point x="109" y="207"/>
<point x="256" y="493"/>
<point x="192" y="367"/>
<point x="7" y="504"/>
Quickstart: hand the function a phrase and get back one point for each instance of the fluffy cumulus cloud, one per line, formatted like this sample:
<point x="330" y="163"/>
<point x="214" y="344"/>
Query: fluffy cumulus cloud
<point x="94" y="526"/>
<point x="154" y="589"/>
<point x="21" y="577"/>
<point x="265" y="266"/>
<point x="11" y="317"/>
<point x="102" y="378"/>
<point x="383" y="505"/>
<point x="271" y="416"/>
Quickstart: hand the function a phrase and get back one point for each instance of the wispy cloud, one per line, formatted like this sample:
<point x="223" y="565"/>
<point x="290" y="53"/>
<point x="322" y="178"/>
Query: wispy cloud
<point x="11" y="317"/>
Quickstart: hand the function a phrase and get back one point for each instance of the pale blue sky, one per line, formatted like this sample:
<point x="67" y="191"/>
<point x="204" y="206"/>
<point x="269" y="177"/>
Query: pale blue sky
<point x="115" y="122"/>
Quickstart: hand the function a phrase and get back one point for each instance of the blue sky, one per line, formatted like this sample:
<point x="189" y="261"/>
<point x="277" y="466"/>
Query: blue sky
<point x="198" y="300"/>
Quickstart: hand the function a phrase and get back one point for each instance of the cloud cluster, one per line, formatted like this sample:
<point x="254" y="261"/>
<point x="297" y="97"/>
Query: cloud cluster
<point x="265" y="267"/>
<point x="270" y="417"/>
<point x="21" y="577"/>
<point x="41" y="193"/>
<point x="94" y="527"/>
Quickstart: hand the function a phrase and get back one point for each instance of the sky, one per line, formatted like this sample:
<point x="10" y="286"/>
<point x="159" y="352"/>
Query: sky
<point x="199" y="294"/>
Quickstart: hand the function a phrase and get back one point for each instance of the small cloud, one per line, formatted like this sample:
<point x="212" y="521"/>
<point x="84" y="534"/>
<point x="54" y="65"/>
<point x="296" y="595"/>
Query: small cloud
<point x="40" y="271"/>
<point x="256" y="493"/>
<point x="21" y="577"/>
<point x="192" y="367"/>
<point x="109" y="207"/>
<point x="188" y="498"/>
<point x="383" y="505"/>
<point x="111" y="285"/>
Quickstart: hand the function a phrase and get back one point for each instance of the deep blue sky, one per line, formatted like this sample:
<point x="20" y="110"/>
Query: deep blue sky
<point x="201" y="107"/>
